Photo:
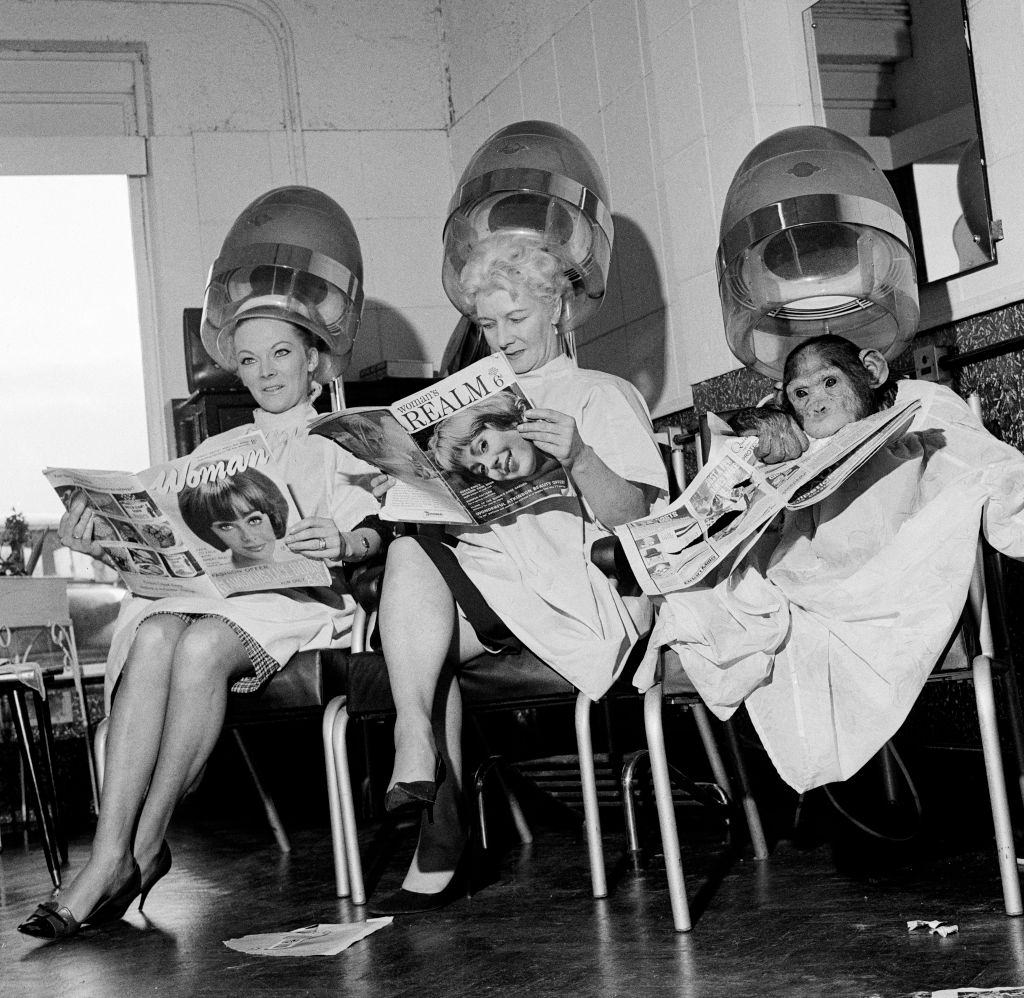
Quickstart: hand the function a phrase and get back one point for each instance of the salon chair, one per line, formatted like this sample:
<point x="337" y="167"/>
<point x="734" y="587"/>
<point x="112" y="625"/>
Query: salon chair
<point x="521" y="681"/>
<point x="981" y="664"/>
<point x="517" y="681"/>
<point x="299" y="692"/>
<point x="979" y="652"/>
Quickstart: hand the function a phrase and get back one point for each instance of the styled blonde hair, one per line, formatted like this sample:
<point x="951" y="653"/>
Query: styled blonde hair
<point x="450" y="442"/>
<point x="514" y="262"/>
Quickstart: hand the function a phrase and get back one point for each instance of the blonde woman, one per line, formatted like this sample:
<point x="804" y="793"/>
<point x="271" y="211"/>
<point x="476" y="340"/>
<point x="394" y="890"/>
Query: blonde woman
<point x="523" y="580"/>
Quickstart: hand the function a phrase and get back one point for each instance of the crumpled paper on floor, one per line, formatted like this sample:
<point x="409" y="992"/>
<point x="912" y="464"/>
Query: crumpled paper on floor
<point x="934" y="926"/>
<point x="313" y="940"/>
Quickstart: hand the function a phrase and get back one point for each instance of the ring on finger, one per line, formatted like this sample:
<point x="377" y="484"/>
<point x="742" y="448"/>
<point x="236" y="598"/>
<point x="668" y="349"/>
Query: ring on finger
<point x="323" y="543"/>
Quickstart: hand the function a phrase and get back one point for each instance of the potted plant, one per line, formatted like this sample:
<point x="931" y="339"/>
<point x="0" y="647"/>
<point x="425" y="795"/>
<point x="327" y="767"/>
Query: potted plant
<point x="14" y="538"/>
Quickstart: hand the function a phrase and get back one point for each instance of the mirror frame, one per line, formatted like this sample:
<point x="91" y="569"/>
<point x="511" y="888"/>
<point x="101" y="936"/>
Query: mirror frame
<point x="933" y="293"/>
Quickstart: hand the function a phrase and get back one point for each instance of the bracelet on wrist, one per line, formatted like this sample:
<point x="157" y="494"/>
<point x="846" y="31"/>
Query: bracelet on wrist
<point x="363" y="551"/>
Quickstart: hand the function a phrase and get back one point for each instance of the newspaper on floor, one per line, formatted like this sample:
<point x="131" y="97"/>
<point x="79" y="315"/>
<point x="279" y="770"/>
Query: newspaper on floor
<point x="314" y="940"/>
<point x="735" y="496"/>
<point x="1011" y="992"/>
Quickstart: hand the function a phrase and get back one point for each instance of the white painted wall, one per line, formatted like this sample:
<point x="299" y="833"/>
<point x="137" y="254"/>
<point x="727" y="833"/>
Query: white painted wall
<point x="245" y="95"/>
<point x="670" y="95"/>
<point x="353" y="96"/>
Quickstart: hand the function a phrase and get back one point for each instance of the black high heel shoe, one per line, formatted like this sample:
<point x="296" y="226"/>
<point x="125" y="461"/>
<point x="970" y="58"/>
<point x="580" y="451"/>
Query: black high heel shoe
<point x="161" y="865"/>
<point x="403" y="902"/>
<point x="417" y="794"/>
<point x="56" y="921"/>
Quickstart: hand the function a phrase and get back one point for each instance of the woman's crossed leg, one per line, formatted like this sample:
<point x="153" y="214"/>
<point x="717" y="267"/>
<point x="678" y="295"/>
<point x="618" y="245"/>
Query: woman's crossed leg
<point x="164" y="721"/>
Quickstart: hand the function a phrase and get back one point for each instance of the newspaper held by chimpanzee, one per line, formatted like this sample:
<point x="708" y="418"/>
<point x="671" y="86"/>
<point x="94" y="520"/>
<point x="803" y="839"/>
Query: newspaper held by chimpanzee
<point x="453" y="448"/>
<point x="735" y="496"/>
<point x="203" y="525"/>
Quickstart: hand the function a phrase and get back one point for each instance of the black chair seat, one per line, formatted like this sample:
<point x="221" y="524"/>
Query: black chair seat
<point x="512" y="681"/>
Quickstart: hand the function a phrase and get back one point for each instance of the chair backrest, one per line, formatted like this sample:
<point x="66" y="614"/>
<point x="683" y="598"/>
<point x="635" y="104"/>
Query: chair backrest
<point x="29" y="602"/>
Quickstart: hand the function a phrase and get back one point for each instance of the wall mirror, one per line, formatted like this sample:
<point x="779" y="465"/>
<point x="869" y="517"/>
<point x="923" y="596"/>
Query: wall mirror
<point x="897" y="76"/>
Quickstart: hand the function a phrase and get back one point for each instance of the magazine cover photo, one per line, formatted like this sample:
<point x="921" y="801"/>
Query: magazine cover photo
<point x="455" y="447"/>
<point x="209" y="523"/>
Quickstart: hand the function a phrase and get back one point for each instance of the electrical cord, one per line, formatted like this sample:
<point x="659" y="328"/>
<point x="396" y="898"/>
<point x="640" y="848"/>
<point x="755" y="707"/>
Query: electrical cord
<point x="872" y="831"/>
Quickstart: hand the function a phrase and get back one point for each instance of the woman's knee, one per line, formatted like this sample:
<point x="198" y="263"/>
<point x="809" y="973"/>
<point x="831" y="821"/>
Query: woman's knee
<point x="155" y="639"/>
<point x="406" y="553"/>
<point x="208" y="652"/>
<point x="411" y="582"/>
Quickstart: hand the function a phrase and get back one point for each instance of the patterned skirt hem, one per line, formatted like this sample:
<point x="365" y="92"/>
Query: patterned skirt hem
<point x="263" y="664"/>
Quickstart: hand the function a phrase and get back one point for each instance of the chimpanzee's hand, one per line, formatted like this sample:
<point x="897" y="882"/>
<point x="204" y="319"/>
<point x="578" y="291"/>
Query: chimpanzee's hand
<point x="779" y="437"/>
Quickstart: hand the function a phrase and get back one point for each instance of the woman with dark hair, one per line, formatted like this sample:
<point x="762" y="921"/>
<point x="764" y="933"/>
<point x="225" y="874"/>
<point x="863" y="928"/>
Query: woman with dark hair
<point x="245" y="513"/>
<point x="525" y="579"/>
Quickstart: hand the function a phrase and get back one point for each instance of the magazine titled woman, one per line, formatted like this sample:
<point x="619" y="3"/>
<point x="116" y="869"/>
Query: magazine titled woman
<point x="207" y="525"/>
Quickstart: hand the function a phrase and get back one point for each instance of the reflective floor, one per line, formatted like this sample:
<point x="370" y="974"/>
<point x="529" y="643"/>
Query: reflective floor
<point x="791" y="926"/>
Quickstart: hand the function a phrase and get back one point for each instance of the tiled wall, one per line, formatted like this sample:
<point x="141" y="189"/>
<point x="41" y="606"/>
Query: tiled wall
<point x="349" y="97"/>
<point x="381" y="103"/>
<point x="669" y="95"/>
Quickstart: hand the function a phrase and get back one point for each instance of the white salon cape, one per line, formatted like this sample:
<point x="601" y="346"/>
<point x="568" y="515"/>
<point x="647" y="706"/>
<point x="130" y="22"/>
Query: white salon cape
<point x="325" y="481"/>
<point x="829" y="629"/>
<point x="534" y="568"/>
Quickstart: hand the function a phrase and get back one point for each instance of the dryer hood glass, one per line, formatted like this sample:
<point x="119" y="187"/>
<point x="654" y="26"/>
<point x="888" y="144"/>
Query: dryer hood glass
<point x="292" y="254"/>
<point x="534" y="178"/>
<point x="813" y="242"/>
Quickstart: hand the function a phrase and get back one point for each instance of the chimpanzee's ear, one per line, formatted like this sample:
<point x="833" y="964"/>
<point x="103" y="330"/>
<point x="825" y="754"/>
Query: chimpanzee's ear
<point x="876" y="365"/>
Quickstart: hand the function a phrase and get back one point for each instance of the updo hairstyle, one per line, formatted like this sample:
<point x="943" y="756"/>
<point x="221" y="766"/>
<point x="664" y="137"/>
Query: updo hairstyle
<point x="514" y="262"/>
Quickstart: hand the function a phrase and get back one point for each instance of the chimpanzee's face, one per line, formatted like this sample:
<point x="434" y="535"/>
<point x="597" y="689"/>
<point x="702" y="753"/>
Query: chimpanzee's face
<point x="825" y="396"/>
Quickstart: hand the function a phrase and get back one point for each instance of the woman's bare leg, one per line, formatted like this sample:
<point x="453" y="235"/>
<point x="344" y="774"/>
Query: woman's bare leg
<point x="417" y="625"/>
<point x="164" y="721"/>
<point x="133" y="740"/>
<point x="207" y="658"/>
<point x="422" y="636"/>
<point x="441" y="843"/>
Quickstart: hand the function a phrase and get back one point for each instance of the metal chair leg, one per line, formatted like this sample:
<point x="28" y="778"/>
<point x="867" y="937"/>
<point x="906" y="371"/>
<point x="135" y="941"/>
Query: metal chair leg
<point x="45" y="725"/>
<point x="518" y="818"/>
<point x="588" y="782"/>
<point x="628" y="780"/>
<point x="269" y="809"/>
<point x="342" y="887"/>
<point x="28" y="756"/>
<point x="750" y="810"/>
<point x="997" y="785"/>
<point x="666" y="812"/>
<point x="493" y="764"/>
<point x="347" y="805"/>
<point x="83" y="706"/>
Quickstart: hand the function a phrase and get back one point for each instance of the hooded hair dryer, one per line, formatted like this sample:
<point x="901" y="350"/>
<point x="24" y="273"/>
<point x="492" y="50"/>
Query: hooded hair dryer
<point x="813" y="241"/>
<point x="292" y="254"/>
<point x="535" y="177"/>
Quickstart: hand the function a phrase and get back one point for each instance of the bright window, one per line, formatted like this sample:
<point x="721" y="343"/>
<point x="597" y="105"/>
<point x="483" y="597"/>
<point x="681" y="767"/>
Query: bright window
<point x="71" y="389"/>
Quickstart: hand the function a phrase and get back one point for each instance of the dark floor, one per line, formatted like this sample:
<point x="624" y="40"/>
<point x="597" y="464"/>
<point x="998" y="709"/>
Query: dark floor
<point x="792" y="926"/>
